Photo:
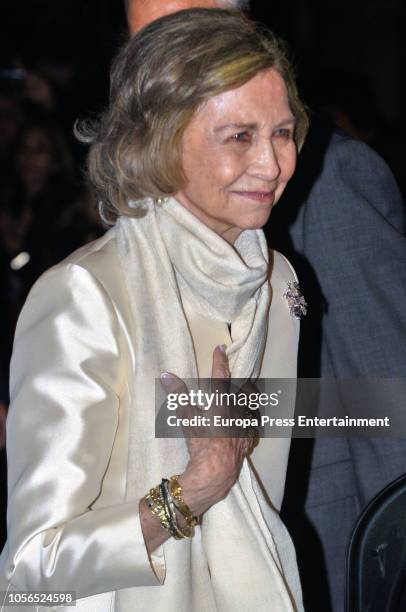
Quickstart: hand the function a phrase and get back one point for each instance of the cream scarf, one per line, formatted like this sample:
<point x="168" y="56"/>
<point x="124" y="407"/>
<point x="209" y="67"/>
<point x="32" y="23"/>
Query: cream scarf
<point x="168" y="253"/>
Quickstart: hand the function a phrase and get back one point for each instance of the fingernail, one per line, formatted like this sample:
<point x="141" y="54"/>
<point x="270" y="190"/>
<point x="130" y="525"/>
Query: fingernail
<point x="167" y="376"/>
<point x="222" y="347"/>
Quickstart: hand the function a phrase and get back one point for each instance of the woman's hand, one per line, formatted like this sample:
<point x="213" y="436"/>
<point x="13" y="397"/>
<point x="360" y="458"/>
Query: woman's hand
<point x="215" y="462"/>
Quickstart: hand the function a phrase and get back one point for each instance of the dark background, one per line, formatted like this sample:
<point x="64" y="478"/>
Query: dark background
<point x="348" y="53"/>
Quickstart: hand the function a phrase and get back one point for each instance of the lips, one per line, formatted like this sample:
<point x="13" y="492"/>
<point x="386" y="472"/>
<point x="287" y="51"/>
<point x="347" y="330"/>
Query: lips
<point x="266" y="197"/>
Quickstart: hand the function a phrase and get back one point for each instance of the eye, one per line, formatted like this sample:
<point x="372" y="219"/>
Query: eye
<point x="286" y="133"/>
<point x="241" y="137"/>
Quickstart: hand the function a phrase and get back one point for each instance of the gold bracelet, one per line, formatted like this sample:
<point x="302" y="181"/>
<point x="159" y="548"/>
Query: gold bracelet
<point x="176" y="531"/>
<point x="161" y="504"/>
<point x="175" y="490"/>
<point x="154" y="503"/>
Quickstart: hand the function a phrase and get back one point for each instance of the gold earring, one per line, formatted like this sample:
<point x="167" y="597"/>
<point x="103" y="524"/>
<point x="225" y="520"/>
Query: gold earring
<point x="161" y="200"/>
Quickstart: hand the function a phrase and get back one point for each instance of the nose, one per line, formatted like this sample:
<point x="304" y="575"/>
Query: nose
<point x="265" y="163"/>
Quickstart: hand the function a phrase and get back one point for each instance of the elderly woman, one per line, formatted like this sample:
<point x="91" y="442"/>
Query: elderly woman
<point x="197" y="145"/>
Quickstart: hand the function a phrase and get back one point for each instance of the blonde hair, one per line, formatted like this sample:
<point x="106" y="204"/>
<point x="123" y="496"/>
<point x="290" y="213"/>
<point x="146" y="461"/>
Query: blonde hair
<point x="158" y="81"/>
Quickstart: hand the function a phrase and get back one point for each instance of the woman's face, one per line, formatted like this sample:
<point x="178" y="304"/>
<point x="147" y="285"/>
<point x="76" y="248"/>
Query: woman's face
<point x="238" y="153"/>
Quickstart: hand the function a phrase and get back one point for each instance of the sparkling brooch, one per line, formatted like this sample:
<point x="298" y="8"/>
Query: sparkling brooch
<point x="296" y="301"/>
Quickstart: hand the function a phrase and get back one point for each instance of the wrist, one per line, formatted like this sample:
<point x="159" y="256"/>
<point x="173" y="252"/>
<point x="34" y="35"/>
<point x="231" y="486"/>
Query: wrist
<point x="192" y="492"/>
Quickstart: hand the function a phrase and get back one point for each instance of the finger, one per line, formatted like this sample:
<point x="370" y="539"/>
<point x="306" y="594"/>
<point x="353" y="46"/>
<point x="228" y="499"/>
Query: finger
<point x="220" y="370"/>
<point x="220" y="367"/>
<point x="172" y="384"/>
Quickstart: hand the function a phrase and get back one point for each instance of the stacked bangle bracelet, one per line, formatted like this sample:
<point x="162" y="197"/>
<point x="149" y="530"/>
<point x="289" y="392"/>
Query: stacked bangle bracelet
<point x="163" y="501"/>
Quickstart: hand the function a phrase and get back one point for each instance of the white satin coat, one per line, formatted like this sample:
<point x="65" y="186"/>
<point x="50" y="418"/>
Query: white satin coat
<point x="69" y="526"/>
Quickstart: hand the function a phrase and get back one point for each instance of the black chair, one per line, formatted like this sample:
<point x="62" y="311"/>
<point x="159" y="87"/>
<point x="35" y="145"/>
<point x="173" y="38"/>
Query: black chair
<point x="376" y="558"/>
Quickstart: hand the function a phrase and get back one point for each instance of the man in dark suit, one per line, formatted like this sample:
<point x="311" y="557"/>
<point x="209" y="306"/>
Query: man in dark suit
<point x="341" y="223"/>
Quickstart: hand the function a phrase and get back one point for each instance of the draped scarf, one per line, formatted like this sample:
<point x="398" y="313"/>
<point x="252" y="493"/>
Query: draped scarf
<point x="167" y="255"/>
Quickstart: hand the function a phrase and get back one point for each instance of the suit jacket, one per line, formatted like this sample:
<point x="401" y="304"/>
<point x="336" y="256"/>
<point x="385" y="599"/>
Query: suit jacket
<point x="70" y="524"/>
<point x="342" y="223"/>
